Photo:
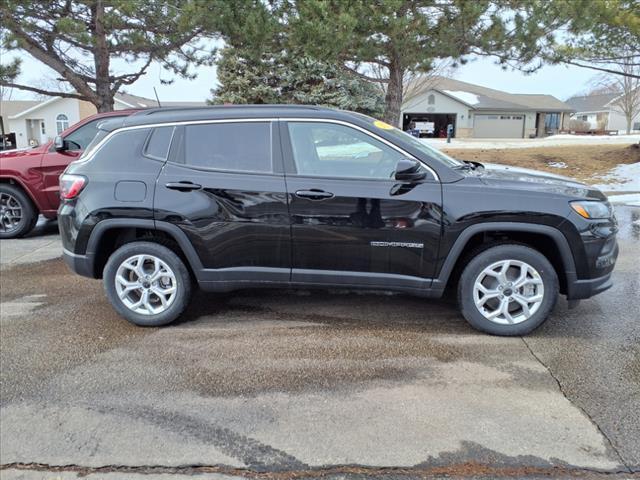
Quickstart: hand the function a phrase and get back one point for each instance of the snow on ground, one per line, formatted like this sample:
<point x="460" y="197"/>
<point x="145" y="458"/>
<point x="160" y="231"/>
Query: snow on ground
<point x="623" y="178"/>
<point x="629" y="199"/>
<point x="551" y="141"/>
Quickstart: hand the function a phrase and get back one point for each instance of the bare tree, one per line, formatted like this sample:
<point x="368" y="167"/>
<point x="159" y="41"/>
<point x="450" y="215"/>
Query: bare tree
<point x="413" y="83"/>
<point x="418" y="83"/>
<point x="626" y="83"/>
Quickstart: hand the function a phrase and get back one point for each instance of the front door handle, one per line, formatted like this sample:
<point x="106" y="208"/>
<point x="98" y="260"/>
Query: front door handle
<point x="183" y="186"/>
<point x="314" y="194"/>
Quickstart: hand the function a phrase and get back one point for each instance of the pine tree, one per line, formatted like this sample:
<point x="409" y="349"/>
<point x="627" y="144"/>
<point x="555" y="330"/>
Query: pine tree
<point x="78" y="39"/>
<point x="284" y="77"/>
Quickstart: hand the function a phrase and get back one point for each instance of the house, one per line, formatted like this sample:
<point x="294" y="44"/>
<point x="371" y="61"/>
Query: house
<point x="601" y="113"/>
<point x="27" y="123"/>
<point x="480" y="112"/>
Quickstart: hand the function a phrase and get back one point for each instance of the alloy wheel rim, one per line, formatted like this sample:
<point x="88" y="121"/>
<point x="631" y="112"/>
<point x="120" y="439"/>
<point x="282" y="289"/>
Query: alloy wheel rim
<point x="146" y="285"/>
<point x="10" y="213"/>
<point x="508" y="292"/>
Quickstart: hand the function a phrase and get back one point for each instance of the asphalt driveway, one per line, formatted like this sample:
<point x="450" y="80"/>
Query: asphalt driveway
<point x="277" y="384"/>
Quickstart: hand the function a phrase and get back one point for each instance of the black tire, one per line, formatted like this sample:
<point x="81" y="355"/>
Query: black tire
<point x="499" y="253"/>
<point x="178" y="268"/>
<point x="29" y="212"/>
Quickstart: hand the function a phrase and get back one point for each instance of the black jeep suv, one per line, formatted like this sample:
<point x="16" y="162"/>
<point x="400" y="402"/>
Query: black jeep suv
<point x="293" y="196"/>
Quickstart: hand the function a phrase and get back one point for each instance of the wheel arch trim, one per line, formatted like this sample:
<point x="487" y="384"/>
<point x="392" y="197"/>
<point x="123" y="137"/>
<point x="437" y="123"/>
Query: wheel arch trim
<point x="553" y="233"/>
<point x="23" y="187"/>
<point x="173" y="230"/>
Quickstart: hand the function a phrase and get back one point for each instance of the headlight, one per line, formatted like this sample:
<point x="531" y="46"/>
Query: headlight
<point x="591" y="209"/>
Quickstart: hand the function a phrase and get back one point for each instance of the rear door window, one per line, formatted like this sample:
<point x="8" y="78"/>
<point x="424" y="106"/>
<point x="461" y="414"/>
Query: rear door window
<point x="233" y="146"/>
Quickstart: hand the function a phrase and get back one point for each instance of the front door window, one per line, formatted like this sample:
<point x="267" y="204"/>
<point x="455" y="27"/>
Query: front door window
<point x="331" y="150"/>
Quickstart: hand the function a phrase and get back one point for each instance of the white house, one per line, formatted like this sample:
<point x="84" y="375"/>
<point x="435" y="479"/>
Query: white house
<point x="601" y="113"/>
<point x="30" y="123"/>
<point x="480" y="112"/>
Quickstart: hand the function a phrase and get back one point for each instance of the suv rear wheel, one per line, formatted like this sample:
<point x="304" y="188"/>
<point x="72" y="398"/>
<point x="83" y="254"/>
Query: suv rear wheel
<point x="17" y="214"/>
<point x="508" y="290"/>
<point x="147" y="283"/>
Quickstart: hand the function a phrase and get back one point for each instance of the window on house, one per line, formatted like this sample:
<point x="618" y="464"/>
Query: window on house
<point x="62" y="123"/>
<point x="431" y="99"/>
<point x="552" y="121"/>
<point x="636" y="126"/>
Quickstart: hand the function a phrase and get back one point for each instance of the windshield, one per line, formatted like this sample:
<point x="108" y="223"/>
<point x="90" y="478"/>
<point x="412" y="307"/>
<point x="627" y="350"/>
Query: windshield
<point x="424" y="148"/>
<point x="413" y="141"/>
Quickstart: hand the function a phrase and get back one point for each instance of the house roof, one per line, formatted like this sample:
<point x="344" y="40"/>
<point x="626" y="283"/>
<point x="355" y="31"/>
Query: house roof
<point x="134" y="101"/>
<point x="592" y="103"/>
<point x="483" y="98"/>
<point x="18" y="108"/>
<point x="10" y="108"/>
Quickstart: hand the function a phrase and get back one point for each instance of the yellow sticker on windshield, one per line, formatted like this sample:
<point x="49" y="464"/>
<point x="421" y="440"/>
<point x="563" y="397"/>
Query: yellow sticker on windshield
<point x="383" y="125"/>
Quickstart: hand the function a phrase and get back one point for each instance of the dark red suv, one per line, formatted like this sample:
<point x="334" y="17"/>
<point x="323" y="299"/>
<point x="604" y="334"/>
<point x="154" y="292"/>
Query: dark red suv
<point x="29" y="177"/>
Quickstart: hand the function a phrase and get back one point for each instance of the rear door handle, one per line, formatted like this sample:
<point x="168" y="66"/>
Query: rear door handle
<point x="183" y="186"/>
<point x="314" y="194"/>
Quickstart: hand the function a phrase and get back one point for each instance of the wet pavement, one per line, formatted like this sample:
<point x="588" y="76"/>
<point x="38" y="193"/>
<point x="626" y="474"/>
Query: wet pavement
<point x="312" y="384"/>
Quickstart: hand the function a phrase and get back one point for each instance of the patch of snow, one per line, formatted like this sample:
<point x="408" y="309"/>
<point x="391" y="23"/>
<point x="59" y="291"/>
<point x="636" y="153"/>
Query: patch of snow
<point x="557" y="164"/>
<point x="466" y="97"/>
<point x="632" y="199"/>
<point x="623" y="178"/>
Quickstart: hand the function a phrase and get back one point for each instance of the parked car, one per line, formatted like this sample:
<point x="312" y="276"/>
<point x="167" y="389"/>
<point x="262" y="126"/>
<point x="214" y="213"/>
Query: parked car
<point x="277" y="196"/>
<point x="29" y="177"/>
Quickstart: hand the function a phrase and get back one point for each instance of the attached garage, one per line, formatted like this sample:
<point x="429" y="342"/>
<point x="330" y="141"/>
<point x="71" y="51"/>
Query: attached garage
<point x="498" y="126"/>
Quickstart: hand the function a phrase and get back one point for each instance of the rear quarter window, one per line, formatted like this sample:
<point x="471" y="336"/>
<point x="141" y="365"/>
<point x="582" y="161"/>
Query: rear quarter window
<point x="123" y="146"/>
<point x="234" y="146"/>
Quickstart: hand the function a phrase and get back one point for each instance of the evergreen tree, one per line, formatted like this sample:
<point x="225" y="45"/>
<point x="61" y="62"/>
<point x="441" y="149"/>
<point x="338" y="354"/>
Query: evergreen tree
<point x="79" y="39"/>
<point x="282" y="77"/>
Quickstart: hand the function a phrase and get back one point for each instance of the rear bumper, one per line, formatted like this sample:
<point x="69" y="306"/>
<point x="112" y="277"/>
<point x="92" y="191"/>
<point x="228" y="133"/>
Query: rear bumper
<point x="80" y="264"/>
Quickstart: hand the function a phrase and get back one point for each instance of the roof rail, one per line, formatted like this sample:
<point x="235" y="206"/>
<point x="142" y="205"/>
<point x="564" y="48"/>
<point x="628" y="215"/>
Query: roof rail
<point x="150" y="111"/>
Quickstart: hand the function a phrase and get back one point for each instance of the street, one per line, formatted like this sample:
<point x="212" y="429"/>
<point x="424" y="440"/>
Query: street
<point x="275" y="384"/>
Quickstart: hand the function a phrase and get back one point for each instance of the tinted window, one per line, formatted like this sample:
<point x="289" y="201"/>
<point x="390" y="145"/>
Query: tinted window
<point x="159" y="141"/>
<point x="100" y="135"/>
<point x="123" y="145"/>
<point x="79" y="139"/>
<point x="229" y="146"/>
<point x="329" y="150"/>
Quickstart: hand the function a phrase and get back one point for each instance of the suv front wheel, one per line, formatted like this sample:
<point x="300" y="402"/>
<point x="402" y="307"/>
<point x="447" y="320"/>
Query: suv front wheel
<point x="508" y="290"/>
<point x="147" y="283"/>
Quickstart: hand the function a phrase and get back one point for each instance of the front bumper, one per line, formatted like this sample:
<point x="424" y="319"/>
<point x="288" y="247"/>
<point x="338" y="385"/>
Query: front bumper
<point x="80" y="264"/>
<point x="581" y="289"/>
<point x="578" y="289"/>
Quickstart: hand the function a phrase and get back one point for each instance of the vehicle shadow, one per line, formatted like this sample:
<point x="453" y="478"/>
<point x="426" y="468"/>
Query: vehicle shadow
<point x="43" y="228"/>
<point x="329" y="308"/>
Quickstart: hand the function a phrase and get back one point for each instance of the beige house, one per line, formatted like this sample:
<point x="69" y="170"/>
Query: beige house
<point x="480" y="112"/>
<point x="601" y="112"/>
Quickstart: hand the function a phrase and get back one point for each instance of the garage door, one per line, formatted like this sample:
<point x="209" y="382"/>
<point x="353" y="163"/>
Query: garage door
<point x="498" y="126"/>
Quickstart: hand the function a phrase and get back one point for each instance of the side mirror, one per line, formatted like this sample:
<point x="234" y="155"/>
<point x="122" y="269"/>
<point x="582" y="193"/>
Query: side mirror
<point x="408" y="170"/>
<point x="59" y="143"/>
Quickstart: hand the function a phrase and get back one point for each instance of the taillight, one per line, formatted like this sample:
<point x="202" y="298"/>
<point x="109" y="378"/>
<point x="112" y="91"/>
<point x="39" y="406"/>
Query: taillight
<point x="71" y="186"/>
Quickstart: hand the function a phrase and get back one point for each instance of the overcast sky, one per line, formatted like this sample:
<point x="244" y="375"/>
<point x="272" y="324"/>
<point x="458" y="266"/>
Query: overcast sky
<point x="560" y="81"/>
